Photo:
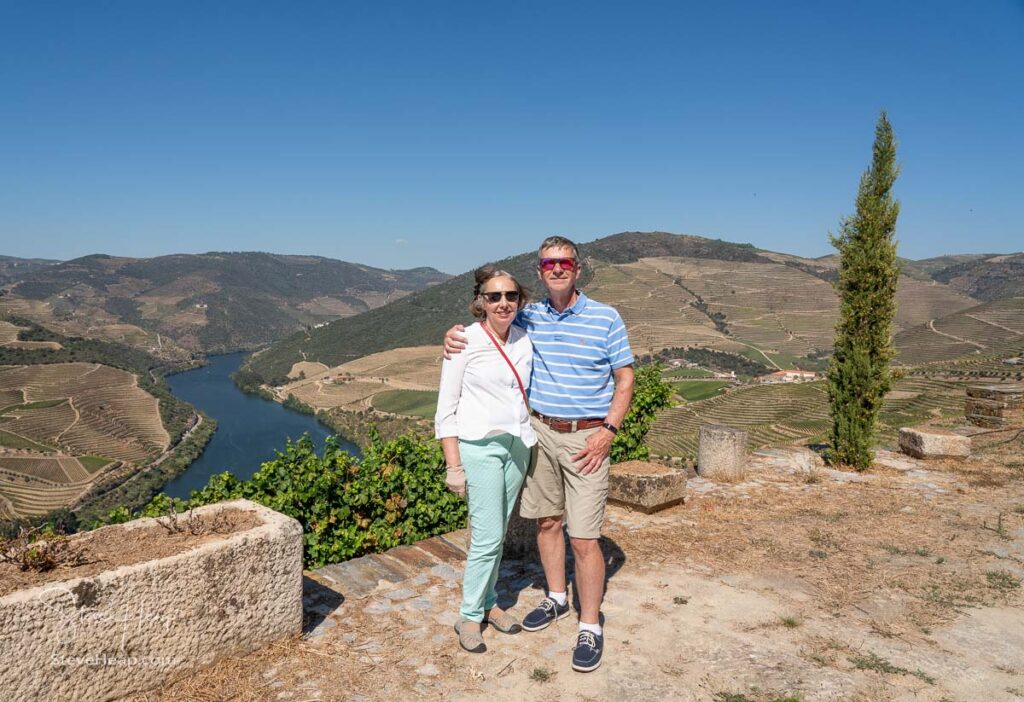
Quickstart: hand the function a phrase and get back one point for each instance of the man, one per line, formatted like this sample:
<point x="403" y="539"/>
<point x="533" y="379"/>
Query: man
<point x="580" y="390"/>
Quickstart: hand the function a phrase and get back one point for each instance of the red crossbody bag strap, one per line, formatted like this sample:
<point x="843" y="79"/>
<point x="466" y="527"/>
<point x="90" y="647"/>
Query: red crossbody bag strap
<point x="514" y="372"/>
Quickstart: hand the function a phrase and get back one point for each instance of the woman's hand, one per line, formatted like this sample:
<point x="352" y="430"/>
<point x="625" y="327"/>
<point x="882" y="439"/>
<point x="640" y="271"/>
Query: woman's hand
<point x="455" y="479"/>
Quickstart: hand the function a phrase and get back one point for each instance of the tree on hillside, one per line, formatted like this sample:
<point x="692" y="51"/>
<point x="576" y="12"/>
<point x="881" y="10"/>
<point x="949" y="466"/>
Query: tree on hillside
<point x="859" y="374"/>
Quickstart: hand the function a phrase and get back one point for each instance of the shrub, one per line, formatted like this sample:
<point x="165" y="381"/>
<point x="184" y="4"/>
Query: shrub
<point x="650" y="394"/>
<point x="395" y="495"/>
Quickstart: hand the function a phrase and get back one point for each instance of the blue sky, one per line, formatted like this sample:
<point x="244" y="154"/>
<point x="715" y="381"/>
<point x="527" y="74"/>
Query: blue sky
<point x="400" y="134"/>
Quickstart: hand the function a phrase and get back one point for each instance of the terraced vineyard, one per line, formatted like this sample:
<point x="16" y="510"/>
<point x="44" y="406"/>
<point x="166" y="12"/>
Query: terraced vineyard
<point x="658" y="313"/>
<point x="55" y="417"/>
<point x="8" y="332"/>
<point x="787" y="413"/>
<point x="993" y="329"/>
<point x="918" y="301"/>
<point x="772" y="414"/>
<point x="413" y="403"/>
<point x="776" y="308"/>
<point x="44" y="427"/>
<point x="915" y="400"/>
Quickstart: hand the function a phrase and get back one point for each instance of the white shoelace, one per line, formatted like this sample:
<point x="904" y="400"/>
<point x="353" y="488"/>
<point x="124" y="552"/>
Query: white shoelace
<point x="586" y="638"/>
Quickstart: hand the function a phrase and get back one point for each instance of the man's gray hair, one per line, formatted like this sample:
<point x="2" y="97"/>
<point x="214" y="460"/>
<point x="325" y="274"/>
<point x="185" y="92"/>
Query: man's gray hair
<point x="553" y="242"/>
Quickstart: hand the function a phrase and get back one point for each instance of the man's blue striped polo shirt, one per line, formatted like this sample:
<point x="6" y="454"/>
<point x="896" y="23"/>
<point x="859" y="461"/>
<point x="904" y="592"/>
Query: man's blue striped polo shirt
<point x="574" y="354"/>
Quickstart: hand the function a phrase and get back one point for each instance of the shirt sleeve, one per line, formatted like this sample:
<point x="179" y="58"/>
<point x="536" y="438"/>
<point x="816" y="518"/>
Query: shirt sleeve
<point x="619" y="352"/>
<point x="452" y="372"/>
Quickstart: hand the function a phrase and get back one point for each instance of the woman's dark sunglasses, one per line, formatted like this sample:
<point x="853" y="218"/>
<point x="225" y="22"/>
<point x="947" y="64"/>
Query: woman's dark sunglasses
<point x="548" y="264"/>
<point x="511" y="296"/>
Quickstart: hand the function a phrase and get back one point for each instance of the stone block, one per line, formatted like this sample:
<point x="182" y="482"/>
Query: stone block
<point x="976" y="406"/>
<point x="1011" y="395"/>
<point x="721" y="453"/>
<point x="647" y="487"/>
<point x="933" y="443"/>
<point x="140" y="626"/>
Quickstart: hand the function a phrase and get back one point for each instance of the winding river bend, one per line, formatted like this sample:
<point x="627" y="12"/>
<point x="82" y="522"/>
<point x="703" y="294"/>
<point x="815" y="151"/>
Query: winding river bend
<point x="249" y="428"/>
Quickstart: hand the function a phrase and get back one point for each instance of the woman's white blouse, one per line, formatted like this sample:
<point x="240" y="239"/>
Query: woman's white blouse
<point x="479" y="396"/>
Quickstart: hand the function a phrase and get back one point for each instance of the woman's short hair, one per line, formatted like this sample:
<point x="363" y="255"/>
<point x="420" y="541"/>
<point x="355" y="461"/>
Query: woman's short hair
<point x="481" y="276"/>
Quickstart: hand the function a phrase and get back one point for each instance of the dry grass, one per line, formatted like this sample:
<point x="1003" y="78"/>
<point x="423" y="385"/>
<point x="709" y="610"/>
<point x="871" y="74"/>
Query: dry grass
<point x="853" y="542"/>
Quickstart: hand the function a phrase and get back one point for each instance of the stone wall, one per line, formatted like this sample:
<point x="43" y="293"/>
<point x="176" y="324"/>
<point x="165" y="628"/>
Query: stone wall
<point x="137" y="627"/>
<point x="995" y="406"/>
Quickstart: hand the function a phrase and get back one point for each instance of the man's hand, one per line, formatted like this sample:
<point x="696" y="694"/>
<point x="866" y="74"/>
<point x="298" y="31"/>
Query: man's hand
<point x="454" y="341"/>
<point x="598" y="445"/>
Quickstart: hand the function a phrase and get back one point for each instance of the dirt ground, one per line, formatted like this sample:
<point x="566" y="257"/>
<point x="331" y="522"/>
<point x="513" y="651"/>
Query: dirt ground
<point x="93" y="552"/>
<point x="800" y="583"/>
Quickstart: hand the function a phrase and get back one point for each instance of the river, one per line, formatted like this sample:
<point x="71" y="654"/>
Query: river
<point x="249" y="428"/>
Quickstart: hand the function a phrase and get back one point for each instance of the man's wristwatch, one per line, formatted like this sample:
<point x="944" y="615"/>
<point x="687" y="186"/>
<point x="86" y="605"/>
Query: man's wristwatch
<point x="611" y="427"/>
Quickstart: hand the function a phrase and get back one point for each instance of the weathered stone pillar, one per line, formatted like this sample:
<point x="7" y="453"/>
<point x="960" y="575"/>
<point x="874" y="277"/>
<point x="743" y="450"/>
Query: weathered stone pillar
<point x="721" y="453"/>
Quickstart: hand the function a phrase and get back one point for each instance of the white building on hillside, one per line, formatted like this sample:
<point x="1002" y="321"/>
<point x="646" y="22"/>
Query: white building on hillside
<point x="789" y="376"/>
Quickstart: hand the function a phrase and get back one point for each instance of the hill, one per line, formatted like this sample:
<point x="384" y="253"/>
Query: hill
<point x="925" y="268"/>
<point x="209" y="302"/>
<point x="992" y="330"/>
<point x="988" y="279"/>
<point x="14" y="269"/>
<point x="84" y="420"/>
<point x="421" y="318"/>
<point x="672" y="291"/>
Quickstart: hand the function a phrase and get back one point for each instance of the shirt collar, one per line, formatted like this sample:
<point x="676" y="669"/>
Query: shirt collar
<point x="576" y="308"/>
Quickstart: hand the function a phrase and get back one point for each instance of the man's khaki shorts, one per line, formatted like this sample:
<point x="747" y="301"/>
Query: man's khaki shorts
<point x="554" y="487"/>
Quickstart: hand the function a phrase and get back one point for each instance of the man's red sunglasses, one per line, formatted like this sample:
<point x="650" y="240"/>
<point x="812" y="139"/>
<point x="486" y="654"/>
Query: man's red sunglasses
<point x="548" y="264"/>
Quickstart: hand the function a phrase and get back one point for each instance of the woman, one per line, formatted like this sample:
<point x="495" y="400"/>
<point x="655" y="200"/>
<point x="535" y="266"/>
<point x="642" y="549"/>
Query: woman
<point x="483" y="423"/>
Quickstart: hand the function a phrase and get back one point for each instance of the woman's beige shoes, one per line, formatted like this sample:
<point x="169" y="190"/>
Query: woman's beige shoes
<point x="505" y="623"/>
<point x="470" y="638"/>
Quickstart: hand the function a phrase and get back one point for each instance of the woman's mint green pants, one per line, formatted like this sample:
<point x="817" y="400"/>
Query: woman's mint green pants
<point x="495" y="469"/>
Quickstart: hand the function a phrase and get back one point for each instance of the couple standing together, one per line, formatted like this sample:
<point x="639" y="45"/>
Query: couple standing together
<point x="535" y="393"/>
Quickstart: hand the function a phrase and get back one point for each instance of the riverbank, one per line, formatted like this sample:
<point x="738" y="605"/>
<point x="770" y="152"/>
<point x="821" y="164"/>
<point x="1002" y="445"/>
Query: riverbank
<point x="355" y="425"/>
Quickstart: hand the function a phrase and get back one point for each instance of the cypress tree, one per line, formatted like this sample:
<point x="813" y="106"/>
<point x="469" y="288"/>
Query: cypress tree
<point x="858" y="373"/>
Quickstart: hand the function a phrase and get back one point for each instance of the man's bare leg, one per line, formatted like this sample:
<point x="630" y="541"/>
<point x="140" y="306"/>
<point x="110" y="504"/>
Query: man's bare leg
<point x="551" y="545"/>
<point x="589" y="577"/>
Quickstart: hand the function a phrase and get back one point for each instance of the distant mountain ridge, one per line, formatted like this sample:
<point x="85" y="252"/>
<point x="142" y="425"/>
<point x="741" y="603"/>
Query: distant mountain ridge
<point x="990" y="278"/>
<point x="218" y="301"/>
<point x="13" y="269"/>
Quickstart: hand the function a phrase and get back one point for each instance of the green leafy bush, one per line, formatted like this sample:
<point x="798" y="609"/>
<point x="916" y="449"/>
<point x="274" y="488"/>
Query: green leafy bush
<point x="395" y="495"/>
<point x="650" y="394"/>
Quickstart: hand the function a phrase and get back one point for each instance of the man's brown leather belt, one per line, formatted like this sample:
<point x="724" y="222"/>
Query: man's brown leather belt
<point x="566" y="426"/>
